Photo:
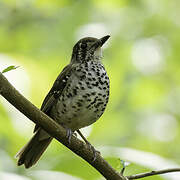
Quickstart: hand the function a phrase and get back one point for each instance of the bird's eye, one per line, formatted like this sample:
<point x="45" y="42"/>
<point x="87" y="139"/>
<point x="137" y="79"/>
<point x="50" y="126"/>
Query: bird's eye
<point x="83" y="45"/>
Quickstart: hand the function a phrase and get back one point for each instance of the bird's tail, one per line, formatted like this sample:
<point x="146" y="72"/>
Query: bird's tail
<point x="33" y="150"/>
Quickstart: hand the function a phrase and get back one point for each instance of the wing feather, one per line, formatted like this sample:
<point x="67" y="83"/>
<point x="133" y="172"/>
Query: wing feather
<point x="55" y="91"/>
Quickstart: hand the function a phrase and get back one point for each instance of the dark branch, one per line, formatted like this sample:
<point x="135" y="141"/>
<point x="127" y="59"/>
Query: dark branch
<point x="152" y="173"/>
<point x="55" y="130"/>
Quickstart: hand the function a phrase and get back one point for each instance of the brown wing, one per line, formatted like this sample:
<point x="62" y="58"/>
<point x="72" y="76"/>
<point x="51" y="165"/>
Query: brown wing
<point x="55" y="91"/>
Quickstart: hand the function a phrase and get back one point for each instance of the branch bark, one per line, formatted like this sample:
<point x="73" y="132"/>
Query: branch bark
<point x="56" y="130"/>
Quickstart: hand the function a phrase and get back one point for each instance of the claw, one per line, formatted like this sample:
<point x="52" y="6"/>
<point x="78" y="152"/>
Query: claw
<point x="95" y="152"/>
<point x="69" y="134"/>
<point x="89" y="146"/>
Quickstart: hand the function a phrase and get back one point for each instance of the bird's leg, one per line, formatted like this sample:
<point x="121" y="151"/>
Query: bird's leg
<point x="89" y="145"/>
<point x="69" y="134"/>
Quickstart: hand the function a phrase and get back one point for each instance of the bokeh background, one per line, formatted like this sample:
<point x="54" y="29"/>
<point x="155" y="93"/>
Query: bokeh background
<point x="141" y="124"/>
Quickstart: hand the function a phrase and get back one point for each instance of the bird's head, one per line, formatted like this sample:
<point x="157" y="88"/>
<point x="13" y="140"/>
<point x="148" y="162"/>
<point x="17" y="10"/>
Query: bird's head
<point x="87" y="49"/>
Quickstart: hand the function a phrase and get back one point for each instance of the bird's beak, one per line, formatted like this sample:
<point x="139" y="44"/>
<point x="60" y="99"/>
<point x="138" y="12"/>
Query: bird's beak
<point x="99" y="42"/>
<point x="104" y="39"/>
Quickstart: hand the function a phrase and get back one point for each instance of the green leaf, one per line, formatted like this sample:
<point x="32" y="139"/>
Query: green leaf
<point x="9" y="68"/>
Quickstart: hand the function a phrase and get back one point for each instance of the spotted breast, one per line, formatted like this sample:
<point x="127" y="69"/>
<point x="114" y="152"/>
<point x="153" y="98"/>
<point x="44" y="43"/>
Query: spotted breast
<point x="84" y="98"/>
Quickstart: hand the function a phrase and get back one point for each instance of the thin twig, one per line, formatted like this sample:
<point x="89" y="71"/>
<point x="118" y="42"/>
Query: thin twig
<point x="152" y="173"/>
<point x="122" y="171"/>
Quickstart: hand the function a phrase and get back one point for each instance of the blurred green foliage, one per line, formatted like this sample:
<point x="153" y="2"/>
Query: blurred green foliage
<point x="141" y="58"/>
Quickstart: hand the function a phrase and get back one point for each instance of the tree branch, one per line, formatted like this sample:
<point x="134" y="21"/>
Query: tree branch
<point x="152" y="173"/>
<point x="55" y="130"/>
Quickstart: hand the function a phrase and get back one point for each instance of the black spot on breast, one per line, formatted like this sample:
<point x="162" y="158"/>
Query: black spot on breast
<point x="87" y="82"/>
<point x="98" y="104"/>
<point x="93" y="93"/>
<point x="101" y="82"/>
<point x="106" y="83"/>
<point x="95" y="84"/>
<point x="86" y="64"/>
<point x="80" y="100"/>
<point x="107" y="99"/>
<point x="93" y="69"/>
<point x="95" y="99"/>
<point x="98" y="73"/>
<point x="102" y="75"/>
<point x="88" y="106"/>
<point x="75" y="92"/>
<point x="96" y="110"/>
<point x="82" y="77"/>
<point x="79" y="104"/>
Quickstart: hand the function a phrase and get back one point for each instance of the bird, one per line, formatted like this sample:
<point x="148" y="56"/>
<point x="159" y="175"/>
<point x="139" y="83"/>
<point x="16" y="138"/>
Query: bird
<point x="77" y="98"/>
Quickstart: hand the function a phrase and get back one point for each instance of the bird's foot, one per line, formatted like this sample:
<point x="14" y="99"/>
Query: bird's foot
<point x="69" y="134"/>
<point x="95" y="152"/>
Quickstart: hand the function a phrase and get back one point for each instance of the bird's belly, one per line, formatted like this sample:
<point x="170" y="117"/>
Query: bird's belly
<point x="81" y="110"/>
<point x="83" y="100"/>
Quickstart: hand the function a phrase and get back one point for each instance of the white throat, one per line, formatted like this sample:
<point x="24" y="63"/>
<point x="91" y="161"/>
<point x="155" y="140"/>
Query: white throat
<point x="98" y="54"/>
